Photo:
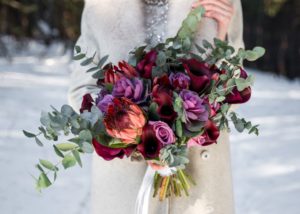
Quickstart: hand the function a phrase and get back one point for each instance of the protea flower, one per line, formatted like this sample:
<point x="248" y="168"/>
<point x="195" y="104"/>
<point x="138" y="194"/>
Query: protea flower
<point x="124" y="120"/>
<point x="128" y="70"/>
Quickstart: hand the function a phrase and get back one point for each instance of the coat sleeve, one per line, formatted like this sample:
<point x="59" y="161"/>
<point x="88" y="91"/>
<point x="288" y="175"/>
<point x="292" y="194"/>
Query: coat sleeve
<point x="82" y="82"/>
<point x="235" y="31"/>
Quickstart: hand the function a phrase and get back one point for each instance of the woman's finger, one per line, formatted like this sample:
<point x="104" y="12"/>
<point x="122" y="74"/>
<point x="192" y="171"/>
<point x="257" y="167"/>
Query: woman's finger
<point x="220" y="3"/>
<point x="213" y="8"/>
<point x="218" y="17"/>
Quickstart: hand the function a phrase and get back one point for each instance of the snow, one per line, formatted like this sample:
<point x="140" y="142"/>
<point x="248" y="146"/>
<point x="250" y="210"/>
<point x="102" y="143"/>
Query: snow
<point x="266" y="169"/>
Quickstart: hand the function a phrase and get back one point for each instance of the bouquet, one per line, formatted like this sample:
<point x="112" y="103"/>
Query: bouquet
<point x="155" y="106"/>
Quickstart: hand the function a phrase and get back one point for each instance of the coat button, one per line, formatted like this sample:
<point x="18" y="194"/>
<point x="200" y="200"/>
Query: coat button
<point x="205" y="155"/>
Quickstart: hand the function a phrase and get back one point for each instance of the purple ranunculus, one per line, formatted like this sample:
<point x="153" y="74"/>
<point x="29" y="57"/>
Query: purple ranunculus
<point x="103" y="103"/>
<point x="131" y="89"/>
<point x="180" y="80"/>
<point x="163" y="132"/>
<point x="195" y="108"/>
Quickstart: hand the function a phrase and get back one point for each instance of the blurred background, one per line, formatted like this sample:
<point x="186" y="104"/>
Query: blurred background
<point x="36" y="39"/>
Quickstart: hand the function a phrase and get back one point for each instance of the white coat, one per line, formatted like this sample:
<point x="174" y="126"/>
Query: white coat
<point x="115" y="27"/>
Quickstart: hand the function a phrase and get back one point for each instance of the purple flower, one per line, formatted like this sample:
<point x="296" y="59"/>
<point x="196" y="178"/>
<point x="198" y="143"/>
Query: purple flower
<point x="104" y="102"/>
<point x="180" y="80"/>
<point x="194" y="107"/>
<point x="163" y="132"/>
<point x="131" y="89"/>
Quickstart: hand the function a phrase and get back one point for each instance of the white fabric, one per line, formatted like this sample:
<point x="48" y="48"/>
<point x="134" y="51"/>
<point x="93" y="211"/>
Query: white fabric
<point x="115" y="27"/>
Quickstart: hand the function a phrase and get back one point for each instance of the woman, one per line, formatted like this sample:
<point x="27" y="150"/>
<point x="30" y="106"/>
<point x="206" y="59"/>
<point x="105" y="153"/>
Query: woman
<point x="115" y="27"/>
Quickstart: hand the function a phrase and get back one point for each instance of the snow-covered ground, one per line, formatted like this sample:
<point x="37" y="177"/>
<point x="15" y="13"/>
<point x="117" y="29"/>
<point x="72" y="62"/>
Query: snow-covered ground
<point x="266" y="169"/>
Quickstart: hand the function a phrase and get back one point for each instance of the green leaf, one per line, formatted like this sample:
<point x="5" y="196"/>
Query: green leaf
<point x="102" y="61"/>
<point x="39" y="167"/>
<point x="77" y="49"/>
<point x="79" y="56"/>
<point x="92" y="69"/>
<point x="43" y="181"/>
<point x="87" y="61"/>
<point x="38" y="142"/>
<point x="66" y="146"/>
<point x="67" y="110"/>
<point x="179" y="130"/>
<point x="47" y="164"/>
<point x="28" y="134"/>
<point x="256" y="53"/>
<point x="161" y="59"/>
<point x="77" y="157"/>
<point x="207" y="44"/>
<point x="85" y="135"/>
<point x="220" y="99"/>
<point x="59" y="153"/>
<point x="87" y="147"/>
<point x="68" y="161"/>
<point x="241" y="84"/>
<point x="200" y="49"/>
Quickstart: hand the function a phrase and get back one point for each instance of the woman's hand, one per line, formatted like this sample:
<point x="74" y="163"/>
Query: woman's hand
<point x="220" y="10"/>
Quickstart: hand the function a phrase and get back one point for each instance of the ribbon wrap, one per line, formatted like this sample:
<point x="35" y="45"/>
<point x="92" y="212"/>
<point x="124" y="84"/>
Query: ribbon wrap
<point x="143" y="198"/>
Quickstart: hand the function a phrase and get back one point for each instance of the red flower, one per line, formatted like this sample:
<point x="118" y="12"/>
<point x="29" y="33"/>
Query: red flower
<point x="87" y="103"/>
<point x="127" y="69"/>
<point x="211" y="133"/>
<point x="164" y="100"/>
<point x="111" y="75"/>
<point x="199" y="73"/>
<point x="108" y="153"/>
<point x="124" y="120"/>
<point x="144" y="67"/>
<point x="150" y="146"/>
<point x="236" y="96"/>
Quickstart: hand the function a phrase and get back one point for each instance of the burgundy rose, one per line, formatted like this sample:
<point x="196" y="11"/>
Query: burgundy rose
<point x="131" y="89"/>
<point x="87" y="103"/>
<point x="150" y="145"/>
<point x="180" y="80"/>
<point x="199" y="74"/>
<point x="236" y="96"/>
<point x="211" y="133"/>
<point x="144" y="67"/>
<point x="108" y="153"/>
<point x="163" y="132"/>
<point x="164" y="101"/>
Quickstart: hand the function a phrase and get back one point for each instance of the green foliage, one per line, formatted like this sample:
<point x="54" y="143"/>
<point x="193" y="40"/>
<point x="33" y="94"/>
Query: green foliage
<point x="241" y="124"/>
<point x="66" y="121"/>
<point x="174" y="155"/>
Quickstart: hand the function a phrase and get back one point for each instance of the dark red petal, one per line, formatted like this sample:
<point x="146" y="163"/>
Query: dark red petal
<point x="87" y="103"/>
<point x="107" y="153"/>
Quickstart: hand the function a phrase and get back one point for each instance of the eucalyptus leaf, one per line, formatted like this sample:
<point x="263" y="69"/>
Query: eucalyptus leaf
<point x="87" y="147"/>
<point x="47" y="164"/>
<point x="79" y="56"/>
<point x="68" y="161"/>
<point x="77" y="157"/>
<point x="58" y="152"/>
<point x="28" y="134"/>
<point x="38" y="142"/>
<point x="43" y="181"/>
<point x="66" y="146"/>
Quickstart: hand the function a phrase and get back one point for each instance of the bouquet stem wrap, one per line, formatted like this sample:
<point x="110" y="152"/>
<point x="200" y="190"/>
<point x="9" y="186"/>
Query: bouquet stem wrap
<point x="165" y="182"/>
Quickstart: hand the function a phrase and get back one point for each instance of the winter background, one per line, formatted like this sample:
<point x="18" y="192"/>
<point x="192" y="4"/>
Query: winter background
<point x="266" y="169"/>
